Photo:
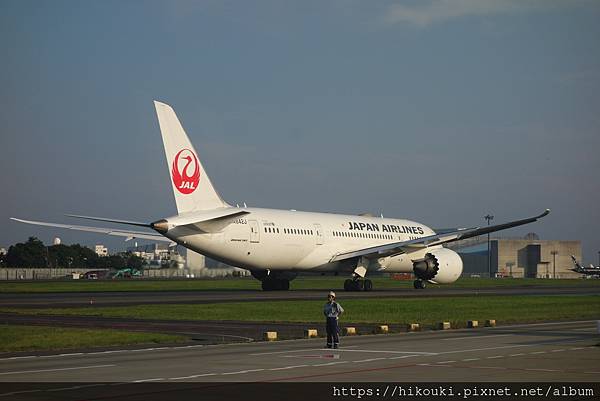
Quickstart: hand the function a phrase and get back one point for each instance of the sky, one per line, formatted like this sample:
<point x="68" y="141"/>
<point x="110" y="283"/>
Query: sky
<point x="435" y="110"/>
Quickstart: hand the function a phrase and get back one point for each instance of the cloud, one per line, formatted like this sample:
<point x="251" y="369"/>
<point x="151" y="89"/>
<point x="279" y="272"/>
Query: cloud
<point x="424" y="13"/>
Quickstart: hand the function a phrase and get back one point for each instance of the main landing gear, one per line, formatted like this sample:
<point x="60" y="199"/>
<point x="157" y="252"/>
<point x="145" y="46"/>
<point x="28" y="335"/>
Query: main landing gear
<point x="275" y="284"/>
<point x="419" y="284"/>
<point x="358" y="285"/>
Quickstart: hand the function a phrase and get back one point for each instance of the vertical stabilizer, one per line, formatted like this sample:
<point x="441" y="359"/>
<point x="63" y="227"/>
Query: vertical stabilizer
<point x="191" y="186"/>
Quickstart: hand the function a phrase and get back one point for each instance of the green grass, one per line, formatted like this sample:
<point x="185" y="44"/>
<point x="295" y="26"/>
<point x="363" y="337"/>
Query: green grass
<point x="35" y="338"/>
<point x="426" y="311"/>
<point x="301" y="283"/>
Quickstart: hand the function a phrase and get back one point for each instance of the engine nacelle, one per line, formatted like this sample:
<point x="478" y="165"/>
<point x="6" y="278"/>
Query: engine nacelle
<point x="442" y="266"/>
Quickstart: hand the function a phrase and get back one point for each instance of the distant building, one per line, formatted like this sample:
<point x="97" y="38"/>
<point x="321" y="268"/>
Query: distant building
<point x="161" y="256"/>
<point x="528" y="257"/>
<point x="101" y="250"/>
<point x="201" y="266"/>
<point x="2" y="251"/>
<point x="158" y="256"/>
<point x="56" y="241"/>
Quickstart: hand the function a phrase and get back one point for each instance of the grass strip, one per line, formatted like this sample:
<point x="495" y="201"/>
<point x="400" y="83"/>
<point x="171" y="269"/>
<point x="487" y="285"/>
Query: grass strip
<point x="15" y="338"/>
<point x="426" y="311"/>
<point x="301" y="283"/>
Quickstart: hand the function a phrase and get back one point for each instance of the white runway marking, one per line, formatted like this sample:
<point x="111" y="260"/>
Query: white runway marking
<point x="369" y="360"/>
<point x="547" y="324"/>
<point x="330" y="363"/>
<point x="403" y="356"/>
<point x="56" y="370"/>
<point x="75" y="387"/>
<point x="149" y="380"/>
<point x="103" y="352"/>
<point x="290" y="367"/>
<point x="19" y="357"/>
<point x="297" y="350"/>
<point x="385" y="352"/>
<point x="192" y="376"/>
<point x="484" y="349"/>
<point x="19" y="392"/>
<point x="476" y="336"/>
<point x="544" y="370"/>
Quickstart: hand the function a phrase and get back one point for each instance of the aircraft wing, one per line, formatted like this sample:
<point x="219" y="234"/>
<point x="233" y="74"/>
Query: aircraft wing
<point x="110" y="231"/>
<point x="397" y="248"/>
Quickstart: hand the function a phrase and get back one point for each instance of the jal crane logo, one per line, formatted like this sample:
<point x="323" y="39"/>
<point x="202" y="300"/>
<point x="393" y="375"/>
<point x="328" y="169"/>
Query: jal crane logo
<point x="185" y="182"/>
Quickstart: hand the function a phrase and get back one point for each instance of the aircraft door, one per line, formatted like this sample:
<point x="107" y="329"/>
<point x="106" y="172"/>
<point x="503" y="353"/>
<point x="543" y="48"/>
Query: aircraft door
<point x="319" y="233"/>
<point x="254" y="232"/>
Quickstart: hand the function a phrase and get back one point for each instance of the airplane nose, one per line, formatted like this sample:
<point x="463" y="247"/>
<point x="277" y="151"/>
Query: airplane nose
<point x="162" y="226"/>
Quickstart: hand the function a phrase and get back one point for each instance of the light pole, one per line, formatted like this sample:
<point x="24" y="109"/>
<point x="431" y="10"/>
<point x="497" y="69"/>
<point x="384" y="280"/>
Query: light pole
<point x="554" y="253"/>
<point x="489" y="218"/>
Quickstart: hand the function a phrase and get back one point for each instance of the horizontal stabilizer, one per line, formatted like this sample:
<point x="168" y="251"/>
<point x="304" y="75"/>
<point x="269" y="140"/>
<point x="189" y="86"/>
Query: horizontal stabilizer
<point x="131" y="223"/>
<point x="206" y="221"/>
<point x="109" y="231"/>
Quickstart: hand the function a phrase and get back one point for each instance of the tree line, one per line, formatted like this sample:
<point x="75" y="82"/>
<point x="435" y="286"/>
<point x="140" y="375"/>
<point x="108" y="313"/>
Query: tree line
<point x="34" y="254"/>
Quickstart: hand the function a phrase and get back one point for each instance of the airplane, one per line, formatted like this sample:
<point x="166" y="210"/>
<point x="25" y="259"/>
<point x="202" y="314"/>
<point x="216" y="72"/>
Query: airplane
<point x="590" y="271"/>
<point x="277" y="245"/>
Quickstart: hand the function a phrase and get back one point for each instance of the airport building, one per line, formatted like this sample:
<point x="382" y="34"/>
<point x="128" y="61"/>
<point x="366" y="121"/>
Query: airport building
<point x="528" y="257"/>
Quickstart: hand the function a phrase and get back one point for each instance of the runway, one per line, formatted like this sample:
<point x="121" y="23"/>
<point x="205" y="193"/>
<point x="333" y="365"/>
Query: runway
<point x="75" y="299"/>
<point x="552" y="352"/>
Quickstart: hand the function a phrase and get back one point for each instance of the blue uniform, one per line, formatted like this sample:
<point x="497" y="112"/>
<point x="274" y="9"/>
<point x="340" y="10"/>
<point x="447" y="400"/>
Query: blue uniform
<point x="332" y="310"/>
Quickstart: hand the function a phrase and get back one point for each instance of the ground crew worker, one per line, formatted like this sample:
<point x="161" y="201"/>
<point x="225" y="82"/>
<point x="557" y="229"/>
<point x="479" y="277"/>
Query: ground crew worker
<point x="332" y="311"/>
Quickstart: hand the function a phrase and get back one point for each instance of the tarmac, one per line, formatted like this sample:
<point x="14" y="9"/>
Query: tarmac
<point x="555" y="351"/>
<point x="225" y="352"/>
<point x="75" y="299"/>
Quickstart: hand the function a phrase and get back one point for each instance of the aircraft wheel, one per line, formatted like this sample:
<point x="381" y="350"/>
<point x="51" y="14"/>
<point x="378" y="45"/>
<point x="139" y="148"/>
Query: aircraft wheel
<point x="419" y="284"/>
<point x="359" y="285"/>
<point x="348" y="285"/>
<point x="368" y="285"/>
<point x="284" y="285"/>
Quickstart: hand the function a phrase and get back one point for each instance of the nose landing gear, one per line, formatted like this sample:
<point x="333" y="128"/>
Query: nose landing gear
<point x="419" y="284"/>
<point x="358" y="284"/>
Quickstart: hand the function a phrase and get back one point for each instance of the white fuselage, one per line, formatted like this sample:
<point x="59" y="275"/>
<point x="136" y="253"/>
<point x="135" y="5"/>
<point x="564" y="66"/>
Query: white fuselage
<point x="301" y="241"/>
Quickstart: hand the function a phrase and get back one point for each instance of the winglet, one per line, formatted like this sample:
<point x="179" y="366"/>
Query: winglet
<point x="546" y="213"/>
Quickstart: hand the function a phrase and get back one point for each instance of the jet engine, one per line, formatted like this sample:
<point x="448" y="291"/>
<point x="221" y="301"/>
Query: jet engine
<point x="442" y="266"/>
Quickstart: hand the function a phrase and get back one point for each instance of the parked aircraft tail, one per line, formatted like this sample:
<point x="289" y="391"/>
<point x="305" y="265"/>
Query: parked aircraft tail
<point x="192" y="188"/>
